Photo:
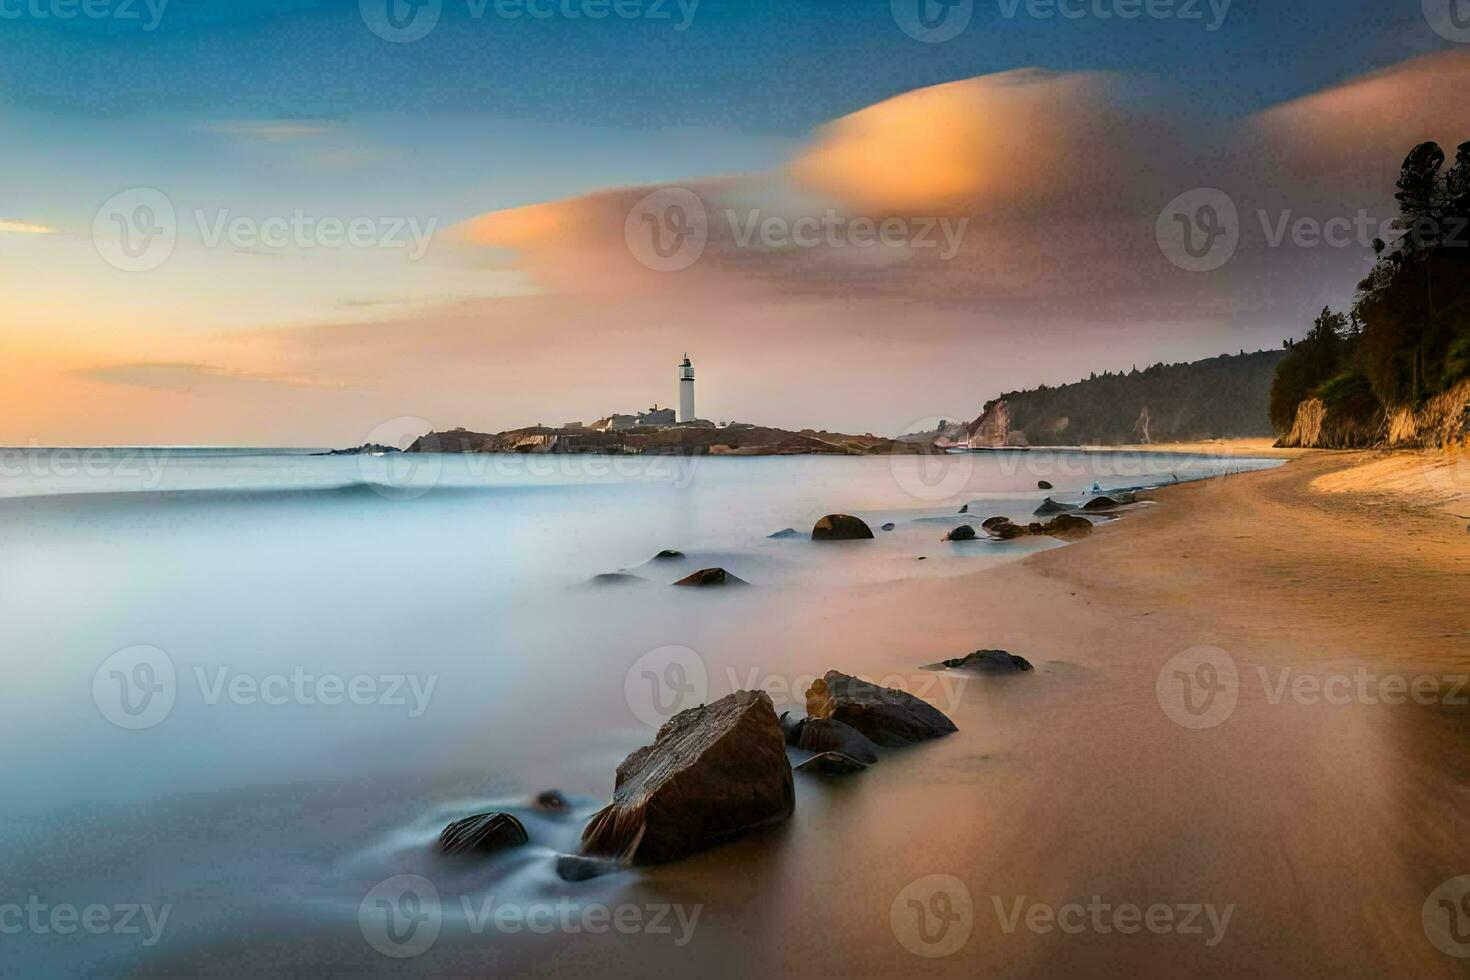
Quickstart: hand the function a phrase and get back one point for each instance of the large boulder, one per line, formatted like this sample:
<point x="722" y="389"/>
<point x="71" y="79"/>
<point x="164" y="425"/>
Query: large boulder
<point x="885" y="715"/>
<point x="831" y="735"/>
<point x="482" y="833"/>
<point x="713" y="772"/>
<point x="840" y="527"/>
<point x="1067" y="526"/>
<point x="711" y="576"/>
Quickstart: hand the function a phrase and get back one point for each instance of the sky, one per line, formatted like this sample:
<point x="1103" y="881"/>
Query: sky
<point x="324" y="222"/>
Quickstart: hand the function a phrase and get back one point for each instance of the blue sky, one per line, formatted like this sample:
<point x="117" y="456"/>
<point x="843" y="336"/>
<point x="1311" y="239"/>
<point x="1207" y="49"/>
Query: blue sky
<point x="266" y="108"/>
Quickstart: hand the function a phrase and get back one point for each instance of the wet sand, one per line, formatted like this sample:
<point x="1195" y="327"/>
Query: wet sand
<point x="1323" y="825"/>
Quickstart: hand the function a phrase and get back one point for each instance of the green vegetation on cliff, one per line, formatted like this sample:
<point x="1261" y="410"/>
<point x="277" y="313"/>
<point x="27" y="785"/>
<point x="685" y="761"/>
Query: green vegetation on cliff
<point x="1219" y="398"/>
<point x="1384" y="371"/>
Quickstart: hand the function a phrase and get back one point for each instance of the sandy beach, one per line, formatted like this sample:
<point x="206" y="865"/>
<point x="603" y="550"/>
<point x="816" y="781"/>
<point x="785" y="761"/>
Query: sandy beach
<point x="1323" y="808"/>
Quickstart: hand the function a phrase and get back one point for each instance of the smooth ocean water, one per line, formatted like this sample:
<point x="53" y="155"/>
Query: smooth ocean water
<point x="249" y="686"/>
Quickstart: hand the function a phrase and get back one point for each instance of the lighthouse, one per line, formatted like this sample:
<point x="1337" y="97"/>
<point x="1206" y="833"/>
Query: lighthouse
<point x="686" y="390"/>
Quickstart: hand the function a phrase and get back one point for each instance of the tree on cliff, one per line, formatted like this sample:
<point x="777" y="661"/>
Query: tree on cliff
<point x="1407" y="337"/>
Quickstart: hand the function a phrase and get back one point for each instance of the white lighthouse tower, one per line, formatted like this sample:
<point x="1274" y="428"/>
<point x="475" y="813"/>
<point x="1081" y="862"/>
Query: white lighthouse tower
<point x="686" y="390"/>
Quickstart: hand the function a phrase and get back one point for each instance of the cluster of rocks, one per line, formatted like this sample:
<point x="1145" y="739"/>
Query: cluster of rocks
<point x="1061" y="526"/>
<point x="719" y="771"/>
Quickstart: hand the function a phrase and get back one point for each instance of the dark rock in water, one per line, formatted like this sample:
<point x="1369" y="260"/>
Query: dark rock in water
<point x="616" y="578"/>
<point x="884" y="714"/>
<point x="785" y="532"/>
<point x="831" y="735"/>
<point x="832" y="764"/>
<point x="714" y="772"/>
<point x="1043" y="485"/>
<point x="965" y="509"/>
<point x="550" y="801"/>
<point x="887" y="527"/>
<point x="1067" y="526"/>
<point x="575" y="867"/>
<point x="1005" y="530"/>
<point x="922" y="558"/>
<point x="840" y="527"/>
<point x="482" y="833"/>
<point x="791" y="727"/>
<point x="1100" y="503"/>
<point x="711" y="576"/>
<point x="965" y="532"/>
<point x="990" y="662"/>
<point x="668" y="554"/>
<point x="991" y="522"/>
<point x="1050" y="506"/>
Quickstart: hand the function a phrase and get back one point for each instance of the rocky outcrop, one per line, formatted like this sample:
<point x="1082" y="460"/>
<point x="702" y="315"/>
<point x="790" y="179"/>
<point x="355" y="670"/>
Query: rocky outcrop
<point x="989" y="662"/>
<point x="840" y="527"/>
<point x="482" y="834"/>
<point x="885" y="715"/>
<point x="706" y="577"/>
<point x="1061" y="526"/>
<point x="713" y="772"/>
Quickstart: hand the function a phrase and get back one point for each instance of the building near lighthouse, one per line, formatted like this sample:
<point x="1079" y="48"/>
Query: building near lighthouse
<point x="686" y="390"/>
